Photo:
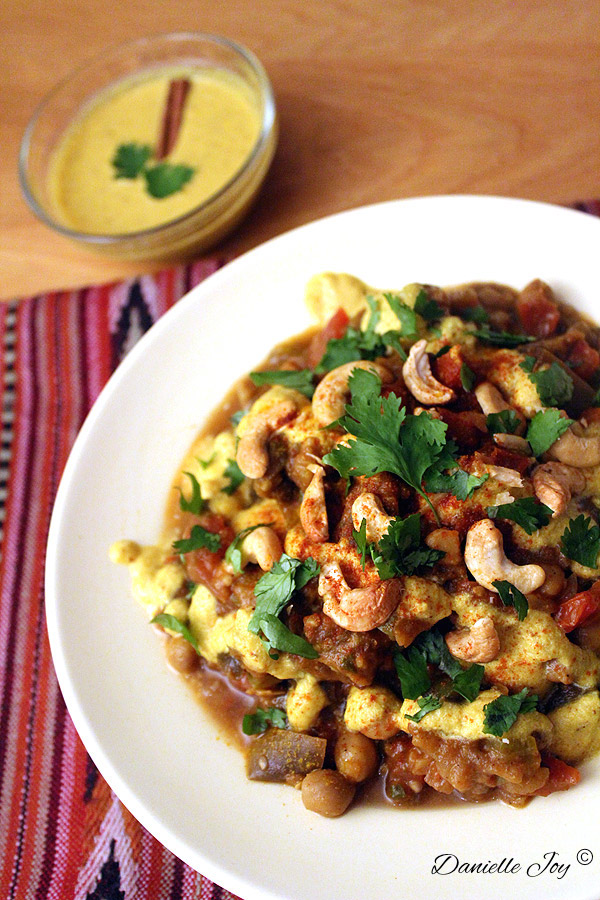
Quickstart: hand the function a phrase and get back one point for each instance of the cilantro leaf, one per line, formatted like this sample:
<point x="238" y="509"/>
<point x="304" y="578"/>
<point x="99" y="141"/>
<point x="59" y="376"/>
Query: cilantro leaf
<point x="580" y="541"/>
<point x="405" y="315"/>
<point x="512" y="596"/>
<point x="301" y="380"/>
<point x="446" y="476"/>
<point x="399" y="550"/>
<point x="466" y="682"/>
<point x="233" y="554"/>
<point x="273" y="591"/>
<point x="196" y="503"/>
<point x="360" y="539"/>
<point x="130" y="159"/>
<point x="384" y="438"/>
<point x="199" y="538"/>
<point x="457" y="482"/>
<point x="504" y="422"/>
<point x="166" y="620"/>
<point x="426" y="705"/>
<point x="278" y="636"/>
<point x="428" y="309"/>
<point x="501" y="713"/>
<point x="527" y="512"/>
<point x="545" y="428"/>
<point x="554" y="385"/>
<point x="258" y="721"/>
<point x="165" y="178"/>
<point x="235" y="475"/>
<point x="477" y="314"/>
<point x="467" y="377"/>
<point x="237" y="417"/>
<point x="355" y="344"/>
<point x="501" y="338"/>
<point x="411" y="668"/>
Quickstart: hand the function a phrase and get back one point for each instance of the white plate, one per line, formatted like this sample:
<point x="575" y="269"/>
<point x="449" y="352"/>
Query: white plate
<point x="144" y="731"/>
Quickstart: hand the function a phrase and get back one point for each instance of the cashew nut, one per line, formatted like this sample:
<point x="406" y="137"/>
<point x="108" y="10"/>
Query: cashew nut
<point x="485" y="560"/>
<point x="329" y="398"/>
<point x="577" y="451"/>
<point x="447" y="540"/>
<point x="368" y="506"/>
<point x="505" y="476"/>
<point x="513" y="442"/>
<point x="478" y="644"/>
<point x="420" y="381"/>
<point x="262" y="546"/>
<point x="491" y="401"/>
<point x="253" y="449"/>
<point x="553" y="483"/>
<point x="313" y="511"/>
<point x="361" y="609"/>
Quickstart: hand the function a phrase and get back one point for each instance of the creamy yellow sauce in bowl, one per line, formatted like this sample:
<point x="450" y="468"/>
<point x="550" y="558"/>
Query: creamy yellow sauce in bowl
<point x="101" y="175"/>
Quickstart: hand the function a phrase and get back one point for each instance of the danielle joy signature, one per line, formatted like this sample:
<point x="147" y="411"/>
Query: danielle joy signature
<point x="550" y="864"/>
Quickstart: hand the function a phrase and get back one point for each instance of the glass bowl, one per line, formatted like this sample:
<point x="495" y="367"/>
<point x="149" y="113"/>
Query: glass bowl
<point x="199" y="227"/>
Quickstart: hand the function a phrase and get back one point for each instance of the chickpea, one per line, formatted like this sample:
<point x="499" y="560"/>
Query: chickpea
<point x="327" y="792"/>
<point x="181" y="655"/>
<point x="356" y="756"/>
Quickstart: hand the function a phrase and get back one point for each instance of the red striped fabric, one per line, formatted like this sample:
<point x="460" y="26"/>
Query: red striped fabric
<point x="63" y="834"/>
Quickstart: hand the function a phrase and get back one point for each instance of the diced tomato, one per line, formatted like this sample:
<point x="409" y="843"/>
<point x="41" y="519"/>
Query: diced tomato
<point x="537" y="311"/>
<point x="463" y="427"/>
<point x="590" y="415"/>
<point x="578" y="609"/>
<point x="447" y="368"/>
<point x="334" y="329"/>
<point x="562" y="776"/>
<point x="201" y="564"/>
<point x="583" y="359"/>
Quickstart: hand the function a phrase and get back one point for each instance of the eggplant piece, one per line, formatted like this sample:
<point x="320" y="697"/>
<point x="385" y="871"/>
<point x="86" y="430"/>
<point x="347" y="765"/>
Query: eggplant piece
<point x="583" y="394"/>
<point x="284" y="756"/>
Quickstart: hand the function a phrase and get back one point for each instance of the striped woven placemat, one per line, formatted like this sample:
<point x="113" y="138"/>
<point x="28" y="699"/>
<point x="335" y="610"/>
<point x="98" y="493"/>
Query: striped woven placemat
<point x="64" y="835"/>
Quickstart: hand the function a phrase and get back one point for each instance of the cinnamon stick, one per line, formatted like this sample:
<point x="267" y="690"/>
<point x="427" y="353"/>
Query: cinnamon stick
<point x="172" y="116"/>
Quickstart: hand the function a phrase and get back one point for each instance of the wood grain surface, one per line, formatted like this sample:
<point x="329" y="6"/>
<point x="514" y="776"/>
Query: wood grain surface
<point x="378" y="99"/>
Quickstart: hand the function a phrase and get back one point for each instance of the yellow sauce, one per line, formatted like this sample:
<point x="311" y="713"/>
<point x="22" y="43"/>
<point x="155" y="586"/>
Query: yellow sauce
<point x="220" y="126"/>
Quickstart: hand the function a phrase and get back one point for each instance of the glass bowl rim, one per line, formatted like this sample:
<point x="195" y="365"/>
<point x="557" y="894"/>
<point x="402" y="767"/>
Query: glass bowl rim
<point x="266" y="131"/>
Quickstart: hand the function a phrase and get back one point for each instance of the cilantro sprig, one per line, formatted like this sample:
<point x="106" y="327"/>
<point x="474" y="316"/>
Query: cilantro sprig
<point x="504" y="422"/>
<point x="501" y="713"/>
<point x="501" y="338"/>
<point x="162" y="179"/>
<point x="580" y="541"/>
<point x="354" y="344"/>
<point x="527" y="512"/>
<point x="399" y="551"/>
<point x="554" y="385"/>
<point x="429" y="648"/>
<point x="258" y="721"/>
<point x="301" y="380"/>
<point x="199" y="539"/>
<point x="512" y="596"/>
<point x="426" y="705"/>
<point x="274" y="590"/>
<point x="233" y="554"/>
<point x="545" y="429"/>
<point x="166" y="620"/>
<point x="196" y="503"/>
<point x="235" y="476"/>
<point x="427" y="308"/>
<point x="385" y="438"/>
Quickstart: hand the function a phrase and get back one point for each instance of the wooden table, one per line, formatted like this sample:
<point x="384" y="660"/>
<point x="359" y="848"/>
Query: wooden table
<point x="378" y="99"/>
